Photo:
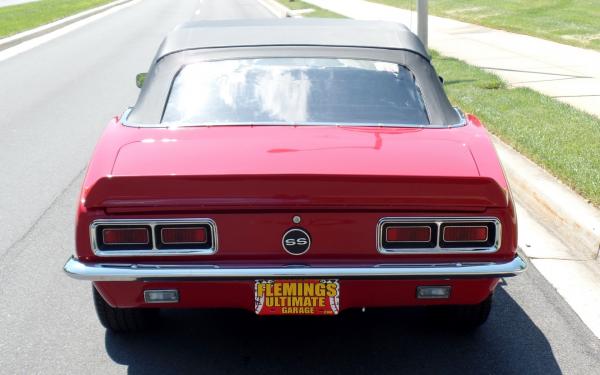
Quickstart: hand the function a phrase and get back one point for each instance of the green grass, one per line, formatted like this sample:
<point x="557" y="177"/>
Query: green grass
<point x="319" y="12"/>
<point x="17" y="18"/>
<point x="574" y="22"/>
<point x="556" y="136"/>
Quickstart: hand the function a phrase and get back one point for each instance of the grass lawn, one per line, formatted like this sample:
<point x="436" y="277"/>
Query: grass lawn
<point x="319" y="12"/>
<point x="17" y="18"/>
<point x="575" y="22"/>
<point x="556" y="136"/>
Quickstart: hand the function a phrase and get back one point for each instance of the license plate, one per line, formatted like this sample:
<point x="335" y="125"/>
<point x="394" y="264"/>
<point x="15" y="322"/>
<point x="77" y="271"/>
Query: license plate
<point x="297" y="297"/>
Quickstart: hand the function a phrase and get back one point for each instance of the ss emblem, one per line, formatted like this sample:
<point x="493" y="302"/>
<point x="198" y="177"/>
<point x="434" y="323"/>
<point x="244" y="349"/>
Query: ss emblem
<point x="296" y="241"/>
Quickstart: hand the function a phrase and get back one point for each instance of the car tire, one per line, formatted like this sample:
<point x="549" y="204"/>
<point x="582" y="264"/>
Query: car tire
<point x="123" y="320"/>
<point x="471" y="317"/>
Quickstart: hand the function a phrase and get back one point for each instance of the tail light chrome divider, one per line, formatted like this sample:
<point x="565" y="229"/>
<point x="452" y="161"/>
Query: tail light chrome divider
<point x="155" y="250"/>
<point x="438" y="223"/>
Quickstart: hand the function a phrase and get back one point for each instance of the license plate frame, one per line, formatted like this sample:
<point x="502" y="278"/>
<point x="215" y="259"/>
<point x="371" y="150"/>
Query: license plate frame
<point x="297" y="297"/>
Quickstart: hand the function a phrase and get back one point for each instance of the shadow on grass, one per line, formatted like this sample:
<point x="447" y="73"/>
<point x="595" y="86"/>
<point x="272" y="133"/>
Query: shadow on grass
<point x="383" y="341"/>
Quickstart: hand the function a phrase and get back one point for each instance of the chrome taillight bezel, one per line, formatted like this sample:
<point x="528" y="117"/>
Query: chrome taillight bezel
<point x="156" y="249"/>
<point x="437" y="245"/>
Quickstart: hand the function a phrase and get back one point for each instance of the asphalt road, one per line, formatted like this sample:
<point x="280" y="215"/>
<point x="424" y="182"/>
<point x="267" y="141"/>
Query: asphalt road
<point x="54" y="102"/>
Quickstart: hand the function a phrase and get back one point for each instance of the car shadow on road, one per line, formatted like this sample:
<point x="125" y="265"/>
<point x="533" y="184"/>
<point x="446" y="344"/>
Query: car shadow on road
<point x="377" y="341"/>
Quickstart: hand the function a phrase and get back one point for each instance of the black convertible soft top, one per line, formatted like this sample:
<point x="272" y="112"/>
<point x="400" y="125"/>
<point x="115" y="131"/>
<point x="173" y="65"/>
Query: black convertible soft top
<point x="291" y="32"/>
<point x="195" y="42"/>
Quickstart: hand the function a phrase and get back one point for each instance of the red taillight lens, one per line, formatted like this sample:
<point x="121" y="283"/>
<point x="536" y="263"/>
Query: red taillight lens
<point x="191" y="235"/>
<point x="465" y="234"/>
<point x="408" y="234"/>
<point x="125" y="236"/>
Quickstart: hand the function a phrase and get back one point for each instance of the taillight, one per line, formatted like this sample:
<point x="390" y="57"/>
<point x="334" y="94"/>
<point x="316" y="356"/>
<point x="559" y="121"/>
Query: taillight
<point x="192" y="235"/>
<point x="465" y="234"/>
<point x="123" y="237"/>
<point x="469" y="235"/>
<point x="408" y="234"/>
<point x="183" y="236"/>
<point x="438" y="235"/>
<point x="158" y="237"/>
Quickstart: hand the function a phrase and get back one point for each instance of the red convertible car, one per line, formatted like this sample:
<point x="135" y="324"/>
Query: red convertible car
<point x="293" y="167"/>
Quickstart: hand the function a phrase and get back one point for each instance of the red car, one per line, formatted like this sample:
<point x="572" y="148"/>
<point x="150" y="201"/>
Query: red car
<point x="293" y="167"/>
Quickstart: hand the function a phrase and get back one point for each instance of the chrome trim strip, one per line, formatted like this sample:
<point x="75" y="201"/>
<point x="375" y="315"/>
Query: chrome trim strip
<point x="439" y="221"/>
<point x="152" y="223"/>
<point x="462" y="122"/>
<point x="148" y="272"/>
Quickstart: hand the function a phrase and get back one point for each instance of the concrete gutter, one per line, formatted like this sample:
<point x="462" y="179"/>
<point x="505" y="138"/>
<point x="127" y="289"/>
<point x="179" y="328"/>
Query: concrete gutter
<point x="13" y="40"/>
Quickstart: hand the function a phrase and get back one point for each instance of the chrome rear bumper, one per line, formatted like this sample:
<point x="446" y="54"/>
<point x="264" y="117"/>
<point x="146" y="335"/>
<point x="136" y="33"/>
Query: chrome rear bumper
<point x="149" y="272"/>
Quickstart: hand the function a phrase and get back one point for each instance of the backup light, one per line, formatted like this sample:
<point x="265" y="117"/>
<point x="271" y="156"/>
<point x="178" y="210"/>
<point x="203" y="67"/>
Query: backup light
<point x="161" y="296"/>
<point x="433" y="292"/>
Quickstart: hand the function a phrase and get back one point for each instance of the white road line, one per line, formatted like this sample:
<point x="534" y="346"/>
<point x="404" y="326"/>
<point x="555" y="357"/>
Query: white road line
<point x="30" y="44"/>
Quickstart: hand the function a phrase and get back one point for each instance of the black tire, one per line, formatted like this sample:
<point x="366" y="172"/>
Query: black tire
<point x="471" y="317"/>
<point x="123" y="320"/>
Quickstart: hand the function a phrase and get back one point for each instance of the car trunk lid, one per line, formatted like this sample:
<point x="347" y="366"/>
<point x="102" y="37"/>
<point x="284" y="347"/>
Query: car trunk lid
<point x="286" y="167"/>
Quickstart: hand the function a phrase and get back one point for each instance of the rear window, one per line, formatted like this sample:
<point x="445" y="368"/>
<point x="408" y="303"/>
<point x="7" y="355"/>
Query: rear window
<point x="295" y="91"/>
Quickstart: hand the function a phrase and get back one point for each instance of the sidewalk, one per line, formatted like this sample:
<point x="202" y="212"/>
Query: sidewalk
<point x="569" y="74"/>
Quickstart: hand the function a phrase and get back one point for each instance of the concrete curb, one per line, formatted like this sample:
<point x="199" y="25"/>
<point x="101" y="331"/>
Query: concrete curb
<point x="16" y="39"/>
<point x="554" y="205"/>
